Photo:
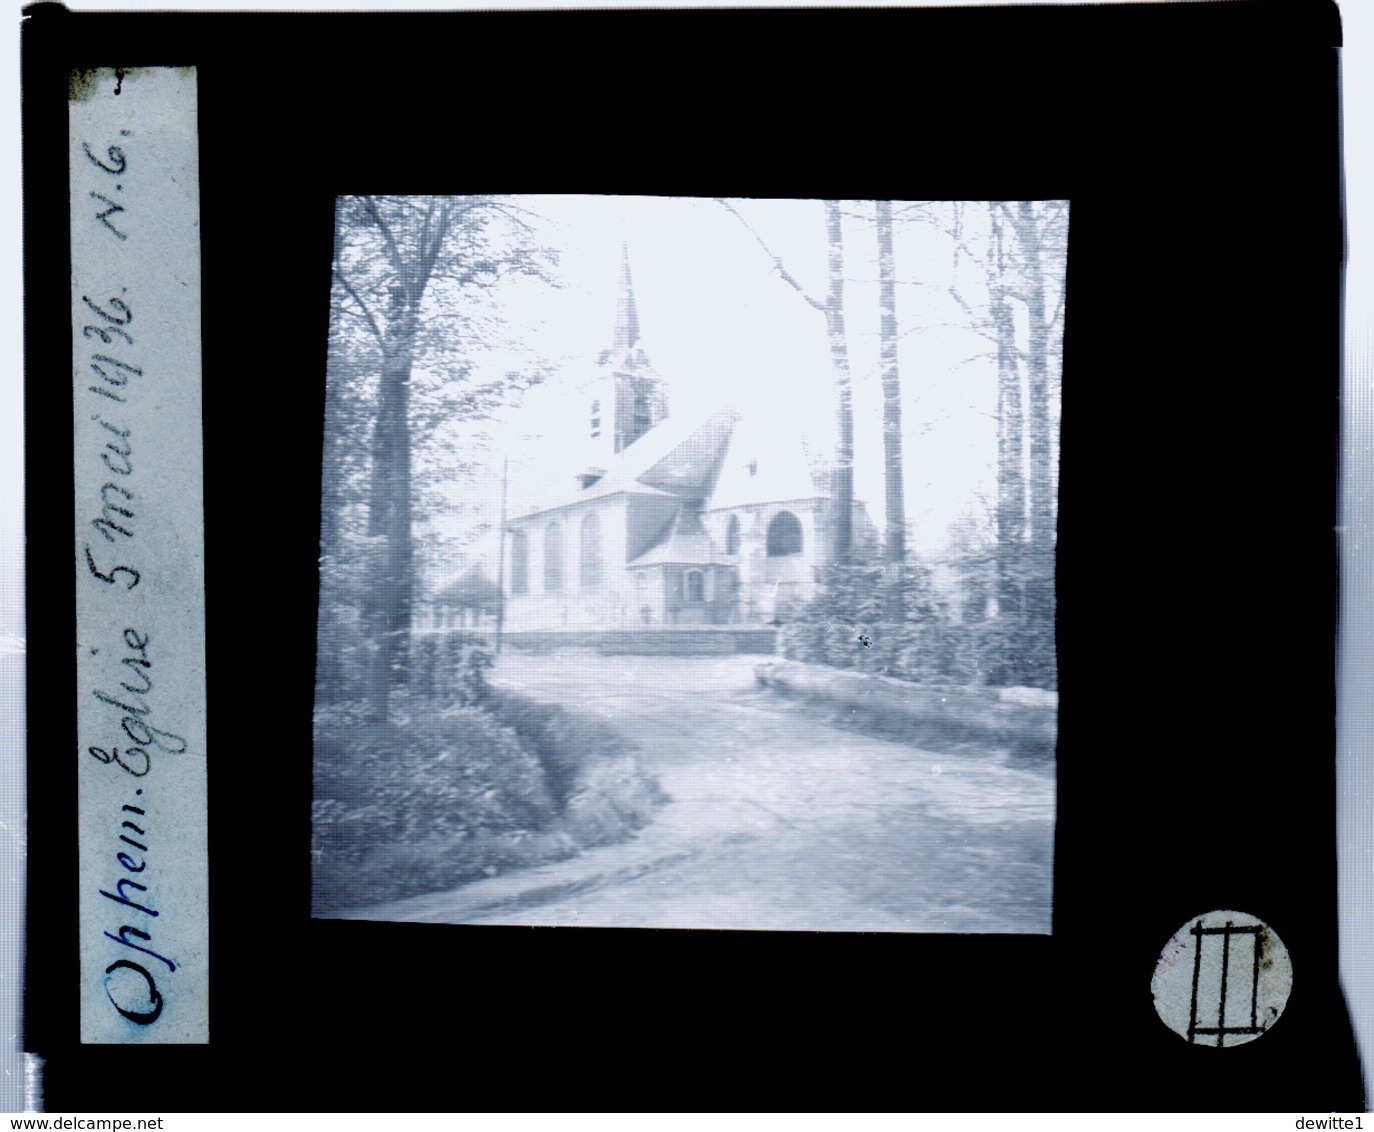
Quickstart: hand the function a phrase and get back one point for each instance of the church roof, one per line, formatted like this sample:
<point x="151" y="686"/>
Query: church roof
<point x="684" y="458"/>
<point x="761" y="466"/>
<point x="679" y="457"/>
<point x="687" y="544"/>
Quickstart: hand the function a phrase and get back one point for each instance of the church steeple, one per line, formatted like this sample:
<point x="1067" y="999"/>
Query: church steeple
<point x="640" y="403"/>
<point x="626" y="317"/>
<point x="634" y="401"/>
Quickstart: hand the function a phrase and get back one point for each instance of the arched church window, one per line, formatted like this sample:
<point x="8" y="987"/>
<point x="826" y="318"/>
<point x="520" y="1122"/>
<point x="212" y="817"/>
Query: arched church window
<point x="696" y="590"/>
<point x="519" y="564"/>
<point x="641" y="413"/>
<point x="732" y="535"/>
<point x="553" y="558"/>
<point x="591" y="553"/>
<point x="784" y="535"/>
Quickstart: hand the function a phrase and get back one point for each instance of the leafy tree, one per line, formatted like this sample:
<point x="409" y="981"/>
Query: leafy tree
<point x="1023" y="267"/>
<point x="409" y="274"/>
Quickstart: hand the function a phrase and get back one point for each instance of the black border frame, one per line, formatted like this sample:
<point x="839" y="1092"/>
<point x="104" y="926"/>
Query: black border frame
<point x="1199" y="147"/>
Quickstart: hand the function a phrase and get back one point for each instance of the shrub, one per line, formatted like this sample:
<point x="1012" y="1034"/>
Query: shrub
<point x="441" y="796"/>
<point x="437" y="779"/>
<point x="925" y="645"/>
<point x="451" y="666"/>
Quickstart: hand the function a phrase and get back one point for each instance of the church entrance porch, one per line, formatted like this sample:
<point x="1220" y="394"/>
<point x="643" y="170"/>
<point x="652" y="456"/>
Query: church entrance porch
<point x="689" y="595"/>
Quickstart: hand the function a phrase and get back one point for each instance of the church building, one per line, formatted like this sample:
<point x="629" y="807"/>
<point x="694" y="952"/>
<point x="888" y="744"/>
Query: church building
<point x="654" y="521"/>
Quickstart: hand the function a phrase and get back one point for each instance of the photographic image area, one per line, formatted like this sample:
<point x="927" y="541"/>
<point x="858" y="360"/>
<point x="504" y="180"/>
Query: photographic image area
<point x="689" y="563"/>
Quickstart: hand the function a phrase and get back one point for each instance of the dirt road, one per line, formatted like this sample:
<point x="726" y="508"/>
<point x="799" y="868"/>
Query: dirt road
<point x="777" y="820"/>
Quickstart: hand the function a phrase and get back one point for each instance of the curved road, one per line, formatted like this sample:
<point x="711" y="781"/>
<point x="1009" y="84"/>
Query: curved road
<point x="777" y="820"/>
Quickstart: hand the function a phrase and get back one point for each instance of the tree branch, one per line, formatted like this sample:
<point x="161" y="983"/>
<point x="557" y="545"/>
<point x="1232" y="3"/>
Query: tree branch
<point x="1056" y="211"/>
<point x="347" y="286"/>
<point x="422" y="246"/>
<point x="438" y="222"/>
<point x="345" y="311"/>
<point x="958" y="297"/>
<point x="393" y="253"/>
<point x="777" y="262"/>
<point x="1058" y="310"/>
<point x="920" y="212"/>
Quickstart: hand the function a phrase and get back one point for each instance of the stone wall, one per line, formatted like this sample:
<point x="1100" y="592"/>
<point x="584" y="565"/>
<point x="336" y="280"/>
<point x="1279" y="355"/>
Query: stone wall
<point x="652" y="642"/>
<point x="995" y="718"/>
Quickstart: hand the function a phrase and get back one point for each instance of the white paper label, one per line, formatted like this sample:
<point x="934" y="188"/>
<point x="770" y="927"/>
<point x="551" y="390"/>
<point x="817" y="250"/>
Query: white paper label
<point x="140" y="609"/>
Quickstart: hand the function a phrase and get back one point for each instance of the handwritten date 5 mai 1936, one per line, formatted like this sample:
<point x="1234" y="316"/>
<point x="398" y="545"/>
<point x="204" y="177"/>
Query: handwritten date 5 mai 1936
<point x="136" y="391"/>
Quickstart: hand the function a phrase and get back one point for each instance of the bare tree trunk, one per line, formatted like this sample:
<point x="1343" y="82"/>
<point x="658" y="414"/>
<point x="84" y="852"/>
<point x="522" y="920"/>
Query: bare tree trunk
<point x="842" y="491"/>
<point x="894" y="546"/>
<point x="1011" y="483"/>
<point x="1039" y="614"/>
<point x="1038" y="384"/>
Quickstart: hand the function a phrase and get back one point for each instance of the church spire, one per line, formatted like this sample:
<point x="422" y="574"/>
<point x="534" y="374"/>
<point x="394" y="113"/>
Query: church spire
<point x="626" y="317"/>
<point x="637" y="401"/>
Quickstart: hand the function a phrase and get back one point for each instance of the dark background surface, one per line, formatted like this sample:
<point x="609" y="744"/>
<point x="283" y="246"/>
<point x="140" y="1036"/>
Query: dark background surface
<point x="1196" y="573"/>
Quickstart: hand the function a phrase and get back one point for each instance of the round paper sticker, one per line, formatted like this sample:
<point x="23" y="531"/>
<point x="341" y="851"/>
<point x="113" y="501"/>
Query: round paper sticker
<point x="1222" y="980"/>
